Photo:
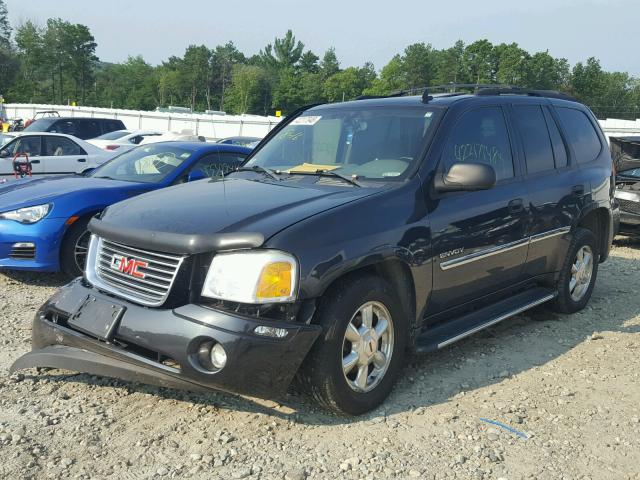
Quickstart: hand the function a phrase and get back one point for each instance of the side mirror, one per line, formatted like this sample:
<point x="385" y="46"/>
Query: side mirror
<point x="196" y="174"/>
<point x="4" y="154"/>
<point x="466" y="177"/>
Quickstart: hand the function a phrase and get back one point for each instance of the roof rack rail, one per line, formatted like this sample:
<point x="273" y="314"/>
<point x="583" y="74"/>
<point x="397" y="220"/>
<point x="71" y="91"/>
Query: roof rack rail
<point x="527" y="91"/>
<point x="453" y="89"/>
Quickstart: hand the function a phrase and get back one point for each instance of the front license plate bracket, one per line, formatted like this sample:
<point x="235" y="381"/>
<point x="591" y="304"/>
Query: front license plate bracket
<point x="98" y="318"/>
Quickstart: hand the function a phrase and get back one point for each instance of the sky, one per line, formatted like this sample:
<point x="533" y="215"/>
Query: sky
<point x="359" y="30"/>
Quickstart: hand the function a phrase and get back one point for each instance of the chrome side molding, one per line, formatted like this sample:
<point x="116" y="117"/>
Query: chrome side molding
<point x="489" y="252"/>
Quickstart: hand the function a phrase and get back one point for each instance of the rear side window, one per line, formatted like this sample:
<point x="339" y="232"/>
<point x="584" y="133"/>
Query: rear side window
<point x="581" y="134"/>
<point x="559" y="148"/>
<point x="61" y="146"/>
<point x="219" y="164"/>
<point x="68" y="127"/>
<point x="481" y="136"/>
<point x="112" y="125"/>
<point x="535" y="137"/>
<point x="89" y="129"/>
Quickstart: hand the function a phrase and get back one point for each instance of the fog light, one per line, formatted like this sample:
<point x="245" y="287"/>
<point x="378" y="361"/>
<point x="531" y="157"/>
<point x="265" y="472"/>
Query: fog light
<point x="273" y="332"/>
<point x="218" y="356"/>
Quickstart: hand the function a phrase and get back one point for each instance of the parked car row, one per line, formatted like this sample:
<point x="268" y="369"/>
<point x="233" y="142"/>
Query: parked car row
<point x="352" y="234"/>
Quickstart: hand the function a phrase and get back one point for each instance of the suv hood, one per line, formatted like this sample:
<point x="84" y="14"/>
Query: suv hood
<point x="210" y="215"/>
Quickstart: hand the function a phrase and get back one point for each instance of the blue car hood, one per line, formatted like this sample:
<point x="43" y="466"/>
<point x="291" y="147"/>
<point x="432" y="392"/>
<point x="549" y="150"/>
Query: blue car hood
<point x="26" y="192"/>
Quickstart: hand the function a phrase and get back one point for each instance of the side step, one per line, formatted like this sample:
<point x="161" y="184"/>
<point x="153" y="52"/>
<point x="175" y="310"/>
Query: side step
<point x="453" y="330"/>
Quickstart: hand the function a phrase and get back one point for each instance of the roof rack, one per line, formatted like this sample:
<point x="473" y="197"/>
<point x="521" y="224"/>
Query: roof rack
<point x="454" y="89"/>
<point x="528" y="92"/>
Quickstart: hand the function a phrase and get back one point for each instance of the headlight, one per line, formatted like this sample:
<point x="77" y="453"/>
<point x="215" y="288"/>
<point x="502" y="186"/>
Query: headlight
<point x="255" y="276"/>
<point x="27" y="215"/>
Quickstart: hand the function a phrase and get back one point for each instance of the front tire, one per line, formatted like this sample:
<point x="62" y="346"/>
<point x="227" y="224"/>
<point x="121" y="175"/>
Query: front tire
<point x="579" y="272"/>
<point x="352" y="368"/>
<point x="74" y="249"/>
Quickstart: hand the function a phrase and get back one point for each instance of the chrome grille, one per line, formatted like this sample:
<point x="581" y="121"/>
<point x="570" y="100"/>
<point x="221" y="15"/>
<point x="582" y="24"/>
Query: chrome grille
<point x="629" y="206"/>
<point x="147" y="281"/>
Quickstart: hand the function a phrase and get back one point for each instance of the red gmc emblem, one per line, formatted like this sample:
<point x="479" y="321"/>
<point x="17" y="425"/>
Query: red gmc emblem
<point x="128" y="266"/>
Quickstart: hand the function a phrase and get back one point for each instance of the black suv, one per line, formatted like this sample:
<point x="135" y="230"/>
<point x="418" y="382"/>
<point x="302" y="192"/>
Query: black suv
<point x="355" y="232"/>
<point x="84" y="128"/>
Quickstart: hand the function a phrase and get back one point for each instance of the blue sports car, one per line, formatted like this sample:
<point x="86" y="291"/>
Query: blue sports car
<point x="43" y="222"/>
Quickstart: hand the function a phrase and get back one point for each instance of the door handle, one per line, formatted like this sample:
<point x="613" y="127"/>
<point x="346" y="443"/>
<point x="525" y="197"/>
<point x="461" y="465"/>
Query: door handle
<point x="82" y="160"/>
<point x="577" y="189"/>
<point x="34" y="161"/>
<point x="516" y="205"/>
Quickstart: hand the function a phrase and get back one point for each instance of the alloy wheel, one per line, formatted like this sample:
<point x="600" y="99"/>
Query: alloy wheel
<point x="581" y="273"/>
<point x="367" y="347"/>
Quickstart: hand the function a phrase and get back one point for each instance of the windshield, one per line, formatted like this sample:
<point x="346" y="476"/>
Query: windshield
<point x="379" y="143"/>
<point x="113" y="135"/>
<point x="40" y="125"/>
<point x="634" y="172"/>
<point x="146" y="164"/>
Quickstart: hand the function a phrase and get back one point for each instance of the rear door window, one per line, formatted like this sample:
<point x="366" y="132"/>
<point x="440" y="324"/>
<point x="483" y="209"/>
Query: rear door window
<point x="581" y="134"/>
<point x="481" y="136"/>
<point x="60" y="146"/>
<point x="535" y="138"/>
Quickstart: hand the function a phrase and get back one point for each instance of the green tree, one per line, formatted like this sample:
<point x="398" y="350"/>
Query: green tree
<point x="348" y="83"/>
<point x="30" y="45"/>
<point x="196" y="72"/>
<point x="223" y="60"/>
<point x="511" y="64"/>
<point x="547" y="73"/>
<point x="588" y="81"/>
<point x="284" y="53"/>
<point x="479" y="61"/>
<point x="82" y="58"/>
<point x="391" y="79"/>
<point x="418" y="64"/>
<point x="248" y="92"/>
<point x="309" y="62"/>
<point x="329" y="65"/>
<point x="450" y="66"/>
<point x="5" y="27"/>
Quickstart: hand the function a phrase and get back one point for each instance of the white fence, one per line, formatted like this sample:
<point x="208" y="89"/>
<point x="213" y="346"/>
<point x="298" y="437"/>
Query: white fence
<point x="220" y="126"/>
<point x="209" y="126"/>
<point x="620" y="128"/>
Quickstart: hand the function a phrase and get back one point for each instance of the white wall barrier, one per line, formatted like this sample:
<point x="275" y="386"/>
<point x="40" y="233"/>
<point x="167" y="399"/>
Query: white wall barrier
<point x="210" y="126"/>
<point x="221" y="126"/>
<point x="614" y="127"/>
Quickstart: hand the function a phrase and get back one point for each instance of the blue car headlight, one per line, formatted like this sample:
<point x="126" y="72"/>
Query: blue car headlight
<point x="27" y="215"/>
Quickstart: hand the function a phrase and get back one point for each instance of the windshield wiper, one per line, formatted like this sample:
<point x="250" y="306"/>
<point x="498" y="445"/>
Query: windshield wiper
<point x="257" y="168"/>
<point x="329" y="173"/>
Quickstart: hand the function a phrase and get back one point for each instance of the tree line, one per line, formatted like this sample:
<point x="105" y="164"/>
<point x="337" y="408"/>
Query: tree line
<point x="56" y="63"/>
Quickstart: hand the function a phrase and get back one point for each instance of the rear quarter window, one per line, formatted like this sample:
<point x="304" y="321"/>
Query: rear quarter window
<point x="580" y="133"/>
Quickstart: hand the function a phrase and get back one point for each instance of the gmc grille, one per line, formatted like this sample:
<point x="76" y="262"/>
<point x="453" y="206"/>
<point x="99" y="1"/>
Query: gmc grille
<point x="629" y="206"/>
<point x="142" y="276"/>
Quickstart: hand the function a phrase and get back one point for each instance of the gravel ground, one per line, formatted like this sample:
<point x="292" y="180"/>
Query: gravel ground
<point x="568" y="385"/>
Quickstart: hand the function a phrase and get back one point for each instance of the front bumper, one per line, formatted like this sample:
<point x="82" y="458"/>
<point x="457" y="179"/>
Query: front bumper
<point x="46" y="235"/>
<point x="145" y="338"/>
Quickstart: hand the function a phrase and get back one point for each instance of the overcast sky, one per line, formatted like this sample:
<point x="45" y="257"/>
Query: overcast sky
<point x="371" y="30"/>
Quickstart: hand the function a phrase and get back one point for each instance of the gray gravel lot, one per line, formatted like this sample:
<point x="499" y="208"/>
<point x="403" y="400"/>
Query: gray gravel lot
<point x="570" y="384"/>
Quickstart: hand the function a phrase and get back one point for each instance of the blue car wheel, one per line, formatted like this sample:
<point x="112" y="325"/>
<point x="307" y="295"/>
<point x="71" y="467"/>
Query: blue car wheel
<point x="75" y="246"/>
